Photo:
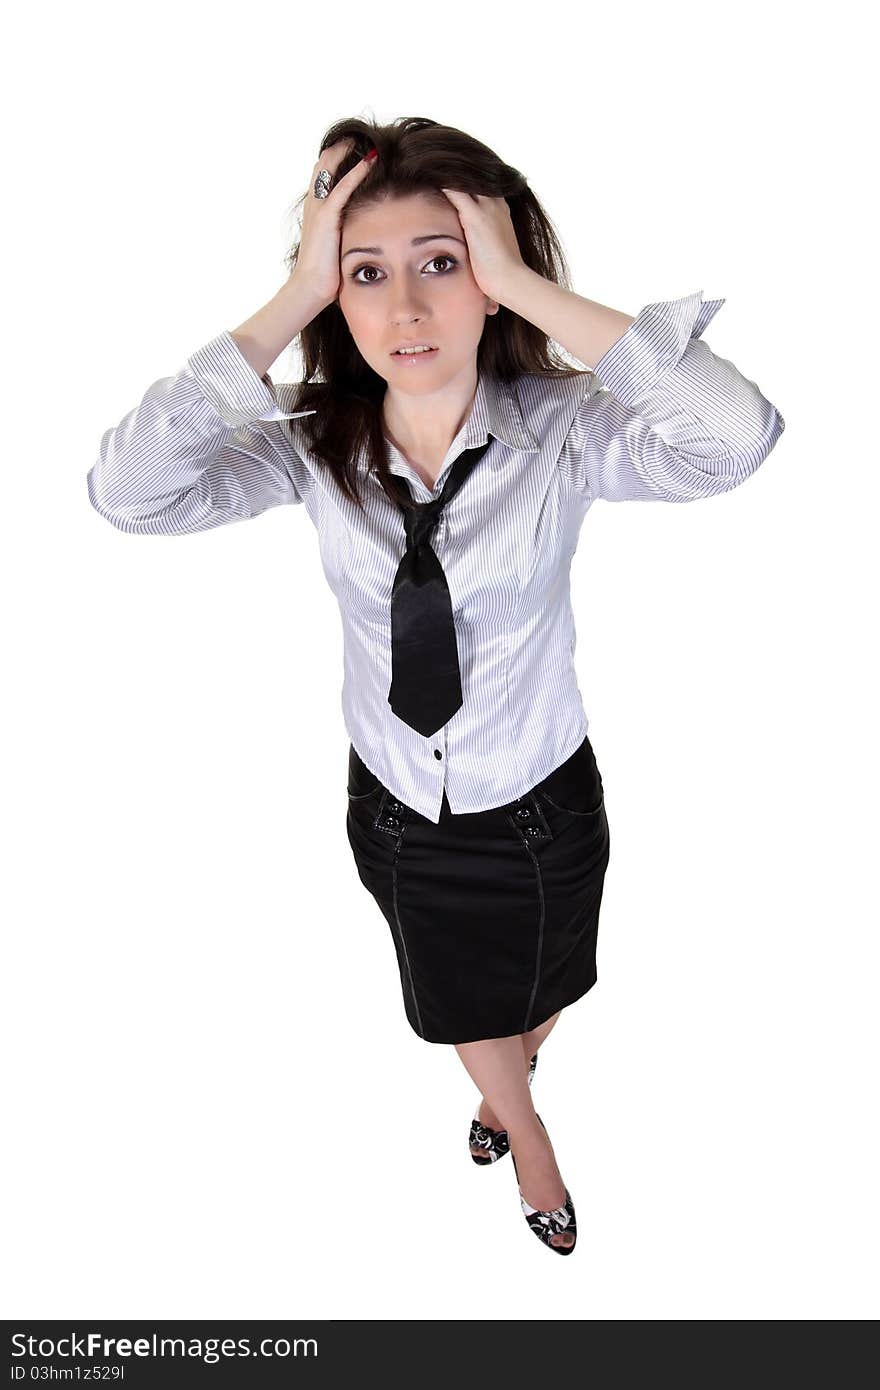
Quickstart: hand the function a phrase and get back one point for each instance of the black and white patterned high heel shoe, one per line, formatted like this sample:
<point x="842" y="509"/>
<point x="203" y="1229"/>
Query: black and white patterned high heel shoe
<point x="546" y="1224"/>
<point x="494" y="1142"/>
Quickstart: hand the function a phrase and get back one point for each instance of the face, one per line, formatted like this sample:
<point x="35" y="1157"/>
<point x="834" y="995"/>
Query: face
<point x="423" y="292"/>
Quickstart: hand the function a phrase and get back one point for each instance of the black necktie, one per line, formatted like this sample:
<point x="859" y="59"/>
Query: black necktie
<point x="425" y="679"/>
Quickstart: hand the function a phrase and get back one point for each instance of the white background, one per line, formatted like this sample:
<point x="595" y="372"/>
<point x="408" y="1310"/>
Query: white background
<point x="216" y="1106"/>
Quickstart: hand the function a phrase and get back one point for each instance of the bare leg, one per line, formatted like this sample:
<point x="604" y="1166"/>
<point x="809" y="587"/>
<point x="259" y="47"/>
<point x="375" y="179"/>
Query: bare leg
<point x="531" y="1041"/>
<point x="496" y="1066"/>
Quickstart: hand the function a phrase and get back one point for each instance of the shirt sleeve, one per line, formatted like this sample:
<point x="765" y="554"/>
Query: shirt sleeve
<point x="203" y="448"/>
<point x="674" y="421"/>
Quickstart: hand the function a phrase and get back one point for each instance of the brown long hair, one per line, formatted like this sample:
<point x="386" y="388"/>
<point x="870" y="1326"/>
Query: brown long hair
<point x="416" y="155"/>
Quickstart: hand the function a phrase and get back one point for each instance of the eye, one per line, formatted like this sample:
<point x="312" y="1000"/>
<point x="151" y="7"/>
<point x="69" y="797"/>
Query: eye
<point x="433" y="261"/>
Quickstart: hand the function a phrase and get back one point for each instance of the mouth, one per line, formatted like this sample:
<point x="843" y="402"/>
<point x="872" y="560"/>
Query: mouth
<point x="420" y="355"/>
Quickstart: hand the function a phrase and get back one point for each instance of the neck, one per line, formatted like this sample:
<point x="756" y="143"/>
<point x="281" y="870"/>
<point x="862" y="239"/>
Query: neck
<point x="427" y="425"/>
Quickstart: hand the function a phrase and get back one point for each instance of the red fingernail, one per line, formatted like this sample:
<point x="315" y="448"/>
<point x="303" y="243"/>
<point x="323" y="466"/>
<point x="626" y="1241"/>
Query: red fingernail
<point x="371" y="155"/>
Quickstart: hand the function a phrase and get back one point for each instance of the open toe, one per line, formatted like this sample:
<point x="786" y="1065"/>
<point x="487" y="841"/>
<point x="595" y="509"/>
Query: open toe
<point x="549" y="1225"/>
<point x="487" y="1145"/>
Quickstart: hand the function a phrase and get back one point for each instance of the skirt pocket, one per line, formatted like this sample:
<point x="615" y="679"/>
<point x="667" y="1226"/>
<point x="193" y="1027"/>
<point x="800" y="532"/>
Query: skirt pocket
<point x="362" y="783"/>
<point x="575" y="787"/>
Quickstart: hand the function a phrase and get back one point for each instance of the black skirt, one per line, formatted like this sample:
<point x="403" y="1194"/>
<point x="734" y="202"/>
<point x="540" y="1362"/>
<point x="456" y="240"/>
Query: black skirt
<point x="493" y="914"/>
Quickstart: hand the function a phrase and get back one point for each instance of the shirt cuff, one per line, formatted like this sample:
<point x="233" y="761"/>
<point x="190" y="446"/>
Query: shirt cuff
<point x="231" y="386"/>
<point x="652" y="344"/>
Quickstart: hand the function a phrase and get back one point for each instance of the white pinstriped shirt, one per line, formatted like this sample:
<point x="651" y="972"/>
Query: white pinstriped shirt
<point x="660" y="418"/>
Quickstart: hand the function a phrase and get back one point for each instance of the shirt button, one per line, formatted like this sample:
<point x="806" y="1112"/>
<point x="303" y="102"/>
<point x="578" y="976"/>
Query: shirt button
<point x="437" y="753"/>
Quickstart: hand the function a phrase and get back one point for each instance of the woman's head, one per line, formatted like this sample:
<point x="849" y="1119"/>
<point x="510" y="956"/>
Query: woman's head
<point x="405" y="278"/>
<point x="408" y="292"/>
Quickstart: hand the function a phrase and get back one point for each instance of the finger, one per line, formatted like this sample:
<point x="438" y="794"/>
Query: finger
<point x="339" y="144"/>
<point x="359" y="168"/>
<point x="332" y="155"/>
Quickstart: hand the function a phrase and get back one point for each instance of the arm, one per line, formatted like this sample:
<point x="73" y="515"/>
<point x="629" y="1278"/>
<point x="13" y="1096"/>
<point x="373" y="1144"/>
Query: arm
<point x="676" y="422"/>
<point x="204" y="448"/>
<point x="583" y="327"/>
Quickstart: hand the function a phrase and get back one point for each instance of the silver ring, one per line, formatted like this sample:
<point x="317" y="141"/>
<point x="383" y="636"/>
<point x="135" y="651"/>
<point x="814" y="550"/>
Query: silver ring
<point x="321" y="186"/>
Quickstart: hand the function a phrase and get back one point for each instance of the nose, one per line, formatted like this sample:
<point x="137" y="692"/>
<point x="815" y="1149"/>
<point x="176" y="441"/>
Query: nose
<point x="407" y="310"/>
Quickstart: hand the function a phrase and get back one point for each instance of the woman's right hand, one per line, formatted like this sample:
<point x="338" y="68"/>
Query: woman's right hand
<point x="317" y="262"/>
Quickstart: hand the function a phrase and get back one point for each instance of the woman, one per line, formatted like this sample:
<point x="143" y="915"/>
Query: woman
<point x="447" y="456"/>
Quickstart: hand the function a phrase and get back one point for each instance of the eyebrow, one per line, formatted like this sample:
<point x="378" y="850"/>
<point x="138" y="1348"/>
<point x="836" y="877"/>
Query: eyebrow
<point x="416" y="241"/>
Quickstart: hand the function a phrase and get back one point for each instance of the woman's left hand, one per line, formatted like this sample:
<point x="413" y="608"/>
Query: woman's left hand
<point x="492" y="245"/>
